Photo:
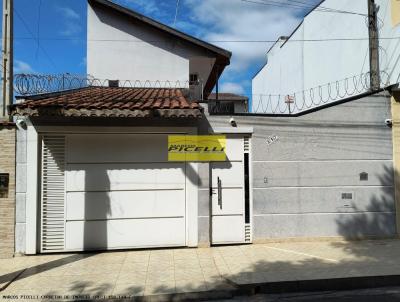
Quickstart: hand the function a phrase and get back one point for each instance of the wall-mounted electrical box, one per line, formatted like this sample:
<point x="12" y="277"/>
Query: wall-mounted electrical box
<point x="347" y="196"/>
<point x="4" y="181"/>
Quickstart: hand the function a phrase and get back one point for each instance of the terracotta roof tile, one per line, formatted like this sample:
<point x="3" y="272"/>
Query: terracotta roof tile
<point x="111" y="101"/>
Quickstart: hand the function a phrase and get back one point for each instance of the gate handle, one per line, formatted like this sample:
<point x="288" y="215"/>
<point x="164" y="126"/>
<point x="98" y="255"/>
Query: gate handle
<point x="219" y="192"/>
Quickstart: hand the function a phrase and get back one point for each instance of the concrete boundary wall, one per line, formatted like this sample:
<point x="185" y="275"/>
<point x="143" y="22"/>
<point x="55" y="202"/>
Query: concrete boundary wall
<point x="306" y="183"/>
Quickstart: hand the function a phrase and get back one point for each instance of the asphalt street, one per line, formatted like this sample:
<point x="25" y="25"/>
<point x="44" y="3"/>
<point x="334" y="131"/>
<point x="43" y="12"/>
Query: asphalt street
<point x="387" y="294"/>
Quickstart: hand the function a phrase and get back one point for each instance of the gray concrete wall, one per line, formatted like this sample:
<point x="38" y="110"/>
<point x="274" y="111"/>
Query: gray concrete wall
<point x="298" y="180"/>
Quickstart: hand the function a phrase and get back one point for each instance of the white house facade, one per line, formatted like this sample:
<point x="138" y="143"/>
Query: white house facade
<point x="93" y="170"/>
<point x="98" y="175"/>
<point x="123" y="45"/>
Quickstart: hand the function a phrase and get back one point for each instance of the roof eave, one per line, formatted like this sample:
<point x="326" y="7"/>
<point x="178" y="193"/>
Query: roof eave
<point x="218" y="68"/>
<point x="163" y="27"/>
<point x="58" y="111"/>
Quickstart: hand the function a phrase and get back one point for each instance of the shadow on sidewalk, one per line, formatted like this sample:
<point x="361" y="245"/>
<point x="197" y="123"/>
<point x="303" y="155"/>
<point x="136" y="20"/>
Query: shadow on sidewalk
<point x="37" y="269"/>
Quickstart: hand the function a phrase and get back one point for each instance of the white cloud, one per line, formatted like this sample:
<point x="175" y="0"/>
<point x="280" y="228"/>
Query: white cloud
<point x="242" y="21"/>
<point x="232" y="87"/>
<point x="189" y="27"/>
<point x="71" y="29"/>
<point x="83" y="62"/>
<point x="69" y="13"/>
<point x="147" y="7"/>
<point x="72" y="19"/>
<point x="22" y="67"/>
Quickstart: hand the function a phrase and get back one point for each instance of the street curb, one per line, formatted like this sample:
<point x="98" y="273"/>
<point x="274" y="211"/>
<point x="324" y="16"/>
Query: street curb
<point x="337" y="284"/>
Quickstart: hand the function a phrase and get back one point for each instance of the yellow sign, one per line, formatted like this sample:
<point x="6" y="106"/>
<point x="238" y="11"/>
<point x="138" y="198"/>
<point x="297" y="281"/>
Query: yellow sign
<point x="395" y="12"/>
<point x="196" y="148"/>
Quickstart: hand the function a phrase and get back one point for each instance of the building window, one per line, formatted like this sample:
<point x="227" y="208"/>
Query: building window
<point x="193" y="79"/>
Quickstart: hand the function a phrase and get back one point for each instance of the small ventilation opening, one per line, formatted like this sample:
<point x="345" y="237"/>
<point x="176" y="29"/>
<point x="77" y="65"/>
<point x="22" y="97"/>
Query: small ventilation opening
<point x="113" y="83"/>
<point x="347" y="196"/>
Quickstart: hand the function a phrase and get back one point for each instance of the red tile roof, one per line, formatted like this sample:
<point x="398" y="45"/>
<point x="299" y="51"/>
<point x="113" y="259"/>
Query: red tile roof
<point x="111" y="101"/>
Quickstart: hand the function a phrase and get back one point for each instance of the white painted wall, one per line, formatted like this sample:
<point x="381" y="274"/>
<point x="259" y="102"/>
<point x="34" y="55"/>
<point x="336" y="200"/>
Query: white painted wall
<point x="283" y="73"/>
<point x="32" y="189"/>
<point x="297" y="66"/>
<point x="119" y="48"/>
<point x="390" y="48"/>
<point x="326" y="62"/>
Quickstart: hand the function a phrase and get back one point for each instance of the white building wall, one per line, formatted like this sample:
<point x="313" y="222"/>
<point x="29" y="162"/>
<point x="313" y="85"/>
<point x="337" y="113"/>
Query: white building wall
<point x="282" y="73"/>
<point x="301" y="66"/>
<point x="389" y="48"/>
<point x="119" y="48"/>
<point x="330" y="61"/>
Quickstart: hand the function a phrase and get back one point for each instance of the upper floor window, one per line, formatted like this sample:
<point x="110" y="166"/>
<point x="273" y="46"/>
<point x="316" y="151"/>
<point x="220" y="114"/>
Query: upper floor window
<point x="193" y="79"/>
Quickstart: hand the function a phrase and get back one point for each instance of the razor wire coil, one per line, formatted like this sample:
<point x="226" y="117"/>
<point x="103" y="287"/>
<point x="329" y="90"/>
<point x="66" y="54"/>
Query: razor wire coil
<point x="32" y="84"/>
<point x="316" y="96"/>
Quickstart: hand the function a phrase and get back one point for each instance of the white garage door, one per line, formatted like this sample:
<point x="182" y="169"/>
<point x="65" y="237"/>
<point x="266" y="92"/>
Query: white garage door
<point x="121" y="192"/>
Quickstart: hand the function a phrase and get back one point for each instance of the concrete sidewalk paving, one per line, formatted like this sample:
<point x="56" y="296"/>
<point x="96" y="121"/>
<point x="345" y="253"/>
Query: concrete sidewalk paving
<point x="125" y="274"/>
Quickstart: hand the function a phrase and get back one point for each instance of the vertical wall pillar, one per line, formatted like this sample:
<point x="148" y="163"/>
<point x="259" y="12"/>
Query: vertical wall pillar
<point x="7" y="188"/>
<point x="31" y="190"/>
<point x="396" y="152"/>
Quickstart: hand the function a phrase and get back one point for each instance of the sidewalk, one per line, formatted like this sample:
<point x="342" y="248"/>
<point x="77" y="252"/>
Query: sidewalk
<point x="171" y="271"/>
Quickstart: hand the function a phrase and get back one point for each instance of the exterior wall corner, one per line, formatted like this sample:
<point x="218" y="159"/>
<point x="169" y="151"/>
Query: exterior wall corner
<point x="7" y="197"/>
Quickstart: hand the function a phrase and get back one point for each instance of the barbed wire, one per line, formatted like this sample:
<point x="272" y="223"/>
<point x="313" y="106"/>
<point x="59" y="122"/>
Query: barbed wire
<point x="32" y="84"/>
<point x="316" y="96"/>
<point x="292" y="103"/>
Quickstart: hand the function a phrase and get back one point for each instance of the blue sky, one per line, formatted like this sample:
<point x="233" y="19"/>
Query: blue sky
<point x="59" y="31"/>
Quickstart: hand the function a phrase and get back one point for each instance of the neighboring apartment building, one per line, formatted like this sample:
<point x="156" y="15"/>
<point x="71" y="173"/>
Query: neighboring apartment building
<point x="326" y="58"/>
<point x="94" y="173"/>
